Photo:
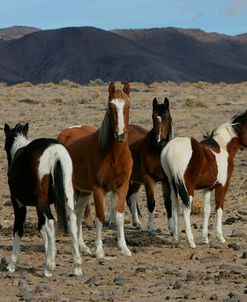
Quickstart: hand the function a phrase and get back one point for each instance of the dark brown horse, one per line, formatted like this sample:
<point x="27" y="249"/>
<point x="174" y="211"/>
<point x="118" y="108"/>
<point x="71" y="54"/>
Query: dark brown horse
<point x="102" y="163"/>
<point x="39" y="174"/>
<point x="190" y="165"/>
<point x="145" y="147"/>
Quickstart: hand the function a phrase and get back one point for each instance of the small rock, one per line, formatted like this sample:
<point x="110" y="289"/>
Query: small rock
<point x="244" y="256"/>
<point x="234" y="297"/>
<point x="210" y="259"/>
<point x="93" y="281"/>
<point x="177" y="285"/>
<point x="236" y="233"/>
<point x="194" y="275"/>
<point x="119" y="281"/>
<point x="214" y="297"/>
<point x="235" y="246"/>
<point x="140" y="270"/>
<point x="194" y="257"/>
<point x="8" y="203"/>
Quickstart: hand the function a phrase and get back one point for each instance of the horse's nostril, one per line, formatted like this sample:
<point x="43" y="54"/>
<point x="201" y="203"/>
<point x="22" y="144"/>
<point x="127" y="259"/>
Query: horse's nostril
<point x="121" y="137"/>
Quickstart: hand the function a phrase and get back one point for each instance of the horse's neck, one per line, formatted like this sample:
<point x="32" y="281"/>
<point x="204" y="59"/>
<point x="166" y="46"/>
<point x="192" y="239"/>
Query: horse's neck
<point x="20" y="142"/>
<point x="223" y="135"/>
<point x="233" y="147"/>
<point x="105" y="133"/>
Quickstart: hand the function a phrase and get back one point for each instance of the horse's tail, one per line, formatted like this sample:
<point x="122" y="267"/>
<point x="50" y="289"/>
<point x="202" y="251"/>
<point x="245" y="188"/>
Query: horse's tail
<point x="60" y="196"/>
<point x="128" y="200"/>
<point x="175" y="158"/>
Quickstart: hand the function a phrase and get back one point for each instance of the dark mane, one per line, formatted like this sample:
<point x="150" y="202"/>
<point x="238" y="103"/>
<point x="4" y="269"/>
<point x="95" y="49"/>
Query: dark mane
<point x="236" y="121"/>
<point x="208" y="139"/>
<point x="104" y="129"/>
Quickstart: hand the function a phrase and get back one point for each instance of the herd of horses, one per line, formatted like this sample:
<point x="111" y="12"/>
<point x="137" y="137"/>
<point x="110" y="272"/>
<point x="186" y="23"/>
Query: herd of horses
<point x="85" y="162"/>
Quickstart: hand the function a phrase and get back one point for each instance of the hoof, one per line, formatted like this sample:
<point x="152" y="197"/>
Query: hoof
<point x="11" y="267"/>
<point x="99" y="253"/>
<point x="47" y="273"/>
<point x="205" y="241"/>
<point x="85" y="250"/>
<point x="137" y="225"/>
<point x="176" y="244"/>
<point x="221" y="240"/>
<point x="152" y="232"/>
<point x="126" y="252"/>
<point x="77" y="271"/>
<point x="192" y="245"/>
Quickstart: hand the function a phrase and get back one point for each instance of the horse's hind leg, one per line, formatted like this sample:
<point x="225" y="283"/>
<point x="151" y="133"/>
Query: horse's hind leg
<point x="82" y="200"/>
<point x="206" y="214"/>
<point x="47" y="230"/>
<point x="149" y="186"/>
<point x="20" y="216"/>
<point x="132" y="197"/>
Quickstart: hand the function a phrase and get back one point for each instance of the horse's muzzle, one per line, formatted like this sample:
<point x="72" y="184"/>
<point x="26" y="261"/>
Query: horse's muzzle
<point x="120" y="138"/>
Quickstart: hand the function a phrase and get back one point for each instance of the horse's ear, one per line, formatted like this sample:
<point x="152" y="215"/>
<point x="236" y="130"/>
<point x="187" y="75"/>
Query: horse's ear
<point x="25" y="129"/>
<point x="6" y="129"/>
<point x="126" y="89"/>
<point x="155" y="103"/>
<point x="111" y="90"/>
<point x="166" y="102"/>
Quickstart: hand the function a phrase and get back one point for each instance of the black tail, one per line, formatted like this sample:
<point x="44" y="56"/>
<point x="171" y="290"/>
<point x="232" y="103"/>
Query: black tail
<point x="181" y="189"/>
<point x="60" y="197"/>
<point x="132" y="190"/>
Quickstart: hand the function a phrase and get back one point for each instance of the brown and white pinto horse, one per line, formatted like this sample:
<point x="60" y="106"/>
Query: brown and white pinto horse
<point x="145" y="147"/>
<point x="190" y="165"/>
<point x="102" y="163"/>
<point x="40" y="173"/>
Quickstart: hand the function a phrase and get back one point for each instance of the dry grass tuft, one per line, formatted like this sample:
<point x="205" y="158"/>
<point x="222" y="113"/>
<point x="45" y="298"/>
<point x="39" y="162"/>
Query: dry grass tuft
<point x="24" y="84"/>
<point x="69" y="84"/>
<point x="197" y="206"/>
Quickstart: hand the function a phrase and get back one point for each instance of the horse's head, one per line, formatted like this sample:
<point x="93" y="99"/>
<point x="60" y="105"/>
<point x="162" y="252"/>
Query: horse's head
<point x="119" y="102"/>
<point x="242" y="129"/>
<point x="11" y="135"/>
<point x="162" y="122"/>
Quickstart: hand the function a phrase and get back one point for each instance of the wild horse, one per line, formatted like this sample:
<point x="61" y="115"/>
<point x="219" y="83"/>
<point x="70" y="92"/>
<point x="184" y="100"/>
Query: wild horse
<point x="102" y="162"/>
<point x="39" y="174"/>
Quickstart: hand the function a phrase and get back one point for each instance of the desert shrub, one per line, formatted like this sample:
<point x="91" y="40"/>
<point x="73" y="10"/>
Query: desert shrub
<point x="96" y="82"/>
<point x="28" y="101"/>
<point x="201" y="84"/>
<point x="192" y="101"/>
<point x="69" y="84"/>
<point x="2" y="84"/>
<point x="10" y="95"/>
<point x="24" y="84"/>
<point x="197" y="206"/>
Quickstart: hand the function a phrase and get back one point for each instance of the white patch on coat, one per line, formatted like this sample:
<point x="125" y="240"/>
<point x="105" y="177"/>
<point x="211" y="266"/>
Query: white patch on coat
<point x="75" y="126"/>
<point x="119" y="106"/>
<point x="222" y="165"/>
<point x="159" y="135"/>
<point x="19" y="142"/>
<point x="175" y="157"/>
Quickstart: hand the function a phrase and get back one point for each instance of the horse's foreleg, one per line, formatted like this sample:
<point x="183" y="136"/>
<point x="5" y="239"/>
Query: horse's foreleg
<point x="220" y="193"/>
<point x="149" y="186"/>
<point x="20" y="216"/>
<point x="111" y="220"/>
<point x="120" y="196"/>
<point x="81" y="203"/>
<point x="206" y="214"/>
<point x="168" y="205"/>
<point x="99" y="200"/>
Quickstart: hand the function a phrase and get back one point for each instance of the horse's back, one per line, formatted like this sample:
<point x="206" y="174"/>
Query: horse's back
<point x="70" y="135"/>
<point x="136" y="133"/>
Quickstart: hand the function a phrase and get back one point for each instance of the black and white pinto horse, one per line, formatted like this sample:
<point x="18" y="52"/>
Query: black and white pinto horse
<point x="39" y="174"/>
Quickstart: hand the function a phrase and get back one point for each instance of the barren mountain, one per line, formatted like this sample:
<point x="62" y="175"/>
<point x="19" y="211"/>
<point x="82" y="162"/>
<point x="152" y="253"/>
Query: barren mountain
<point x="15" y="32"/>
<point x="87" y="53"/>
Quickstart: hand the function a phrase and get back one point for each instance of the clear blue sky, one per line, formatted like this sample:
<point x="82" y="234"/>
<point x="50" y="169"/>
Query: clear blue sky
<point x="223" y="16"/>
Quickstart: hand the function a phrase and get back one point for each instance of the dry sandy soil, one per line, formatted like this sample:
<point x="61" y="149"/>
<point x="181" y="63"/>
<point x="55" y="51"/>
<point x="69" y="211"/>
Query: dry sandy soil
<point x="156" y="271"/>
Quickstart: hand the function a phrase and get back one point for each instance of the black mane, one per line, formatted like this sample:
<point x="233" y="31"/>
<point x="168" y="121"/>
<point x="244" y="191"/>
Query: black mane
<point x="208" y="139"/>
<point x="236" y="121"/>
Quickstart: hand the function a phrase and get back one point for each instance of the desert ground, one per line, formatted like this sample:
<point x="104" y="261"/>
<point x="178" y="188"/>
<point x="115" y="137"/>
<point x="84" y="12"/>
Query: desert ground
<point x="156" y="271"/>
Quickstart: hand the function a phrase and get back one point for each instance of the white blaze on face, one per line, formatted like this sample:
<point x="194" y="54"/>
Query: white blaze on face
<point x="120" y="116"/>
<point x="159" y="135"/>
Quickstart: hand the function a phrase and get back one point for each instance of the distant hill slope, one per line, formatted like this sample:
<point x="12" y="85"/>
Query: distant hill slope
<point x="87" y="53"/>
<point x="16" y="32"/>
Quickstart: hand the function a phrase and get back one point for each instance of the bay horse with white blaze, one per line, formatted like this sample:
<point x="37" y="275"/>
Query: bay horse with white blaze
<point x="102" y="163"/>
<point x="191" y="165"/>
<point x="145" y="147"/>
<point x="39" y="174"/>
